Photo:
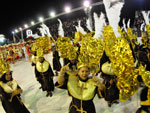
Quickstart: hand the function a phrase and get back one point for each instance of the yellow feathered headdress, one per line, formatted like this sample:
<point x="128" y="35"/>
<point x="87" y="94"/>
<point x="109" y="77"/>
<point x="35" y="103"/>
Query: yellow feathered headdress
<point x="91" y="52"/>
<point x="42" y="45"/>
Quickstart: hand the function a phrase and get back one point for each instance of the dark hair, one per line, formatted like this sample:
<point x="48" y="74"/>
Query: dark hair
<point x="3" y="77"/>
<point x="34" y="53"/>
<point x="71" y="64"/>
<point x="43" y="59"/>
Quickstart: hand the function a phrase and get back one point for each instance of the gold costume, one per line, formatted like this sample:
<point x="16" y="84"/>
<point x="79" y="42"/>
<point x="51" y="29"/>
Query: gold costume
<point x="81" y="90"/>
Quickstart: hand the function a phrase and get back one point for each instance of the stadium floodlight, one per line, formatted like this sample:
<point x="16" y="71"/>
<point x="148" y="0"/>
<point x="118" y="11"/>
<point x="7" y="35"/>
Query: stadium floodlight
<point x="52" y="14"/>
<point x="41" y="19"/>
<point x="67" y="9"/>
<point x="20" y="28"/>
<point x="26" y="25"/>
<point x="12" y="32"/>
<point x="32" y="23"/>
<point x="16" y="30"/>
<point x="86" y="3"/>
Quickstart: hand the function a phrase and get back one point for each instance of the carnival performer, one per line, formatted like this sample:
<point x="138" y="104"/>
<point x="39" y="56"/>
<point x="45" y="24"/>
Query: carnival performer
<point x="44" y="75"/>
<point x="43" y="70"/>
<point x="81" y="88"/>
<point x="28" y="47"/>
<point x="110" y="80"/>
<point x="145" y="92"/>
<point x="28" y="51"/>
<point x="56" y="62"/>
<point x="11" y="55"/>
<point x="10" y="93"/>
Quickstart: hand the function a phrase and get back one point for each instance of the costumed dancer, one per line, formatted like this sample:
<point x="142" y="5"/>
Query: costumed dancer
<point x="24" y="51"/>
<point x="67" y="51"/>
<point x="119" y="52"/>
<point x="145" y="92"/>
<point x="56" y="62"/>
<point x="144" y="71"/>
<point x="110" y="81"/>
<point x="44" y="75"/>
<point x="43" y="70"/>
<point x="28" y="47"/>
<point x="11" y="54"/>
<point x="81" y="88"/>
<point x="10" y="91"/>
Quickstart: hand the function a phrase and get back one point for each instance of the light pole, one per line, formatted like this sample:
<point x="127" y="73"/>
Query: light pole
<point x="22" y="36"/>
<point x="87" y="6"/>
<point x="22" y="39"/>
<point x="13" y="33"/>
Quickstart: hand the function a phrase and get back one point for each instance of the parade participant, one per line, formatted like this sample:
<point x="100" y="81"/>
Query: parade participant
<point x="44" y="75"/>
<point x="81" y="88"/>
<point x="10" y="92"/>
<point x="110" y="80"/>
<point x="145" y="101"/>
<point x="11" y="54"/>
<point x="75" y="75"/>
<point x="2" y="54"/>
<point x="144" y="70"/>
<point x="56" y="62"/>
<point x="145" y="92"/>
<point x="28" y="47"/>
<point x="28" y="51"/>
<point x="16" y="52"/>
<point x="19" y="52"/>
<point x="43" y="70"/>
<point x="24" y="51"/>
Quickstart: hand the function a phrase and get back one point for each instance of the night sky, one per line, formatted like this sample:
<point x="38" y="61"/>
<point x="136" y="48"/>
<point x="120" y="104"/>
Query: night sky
<point x="15" y="14"/>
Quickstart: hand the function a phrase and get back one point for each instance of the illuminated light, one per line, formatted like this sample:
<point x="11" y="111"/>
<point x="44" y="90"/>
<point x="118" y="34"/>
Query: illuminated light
<point x="16" y="30"/>
<point x="41" y="19"/>
<point x="20" y="28"/>
<point x="86" y="4"/>
<point x="26" y="26"/>
<point x="12" y="32"/>
<point x="32" y="23"/>
<point x="67" y="9"/>
<point x="52" y="14"/>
